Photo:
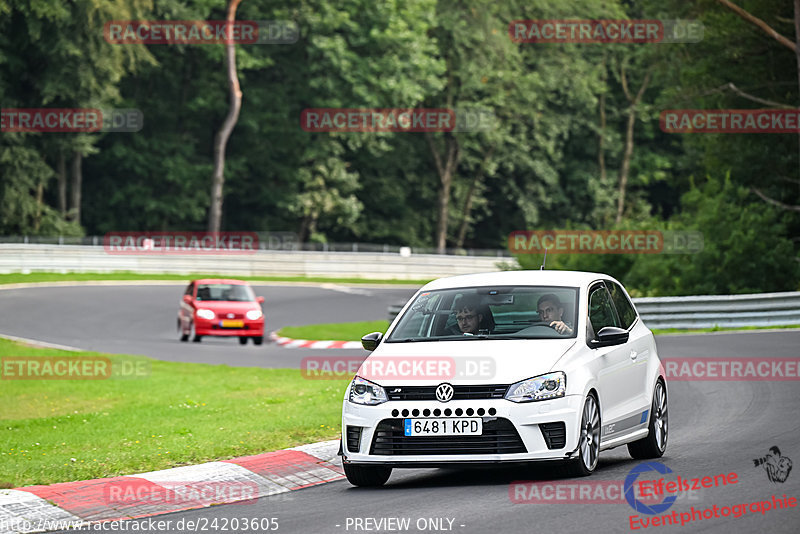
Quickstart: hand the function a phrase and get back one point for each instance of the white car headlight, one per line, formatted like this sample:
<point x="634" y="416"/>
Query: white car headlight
<point x="366" y="392"/>
<point x="542" y="387"/>
<point x="205" y="314"/>
<point x="254" y="314"/>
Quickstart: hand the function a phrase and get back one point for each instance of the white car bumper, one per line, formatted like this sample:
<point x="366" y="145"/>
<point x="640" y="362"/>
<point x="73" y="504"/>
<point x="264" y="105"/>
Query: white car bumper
<point x="511" y="432"/>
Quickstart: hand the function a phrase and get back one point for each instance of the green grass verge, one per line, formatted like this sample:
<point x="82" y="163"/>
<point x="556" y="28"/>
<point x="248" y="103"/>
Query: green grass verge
<point x="334" y="331"/>
<point x="19" y="278"/>
<point x="179" y="414"/>
<point x="659" y="331"/>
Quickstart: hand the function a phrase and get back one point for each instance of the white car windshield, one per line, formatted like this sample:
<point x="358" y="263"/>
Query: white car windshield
<point x="490" y="312"/>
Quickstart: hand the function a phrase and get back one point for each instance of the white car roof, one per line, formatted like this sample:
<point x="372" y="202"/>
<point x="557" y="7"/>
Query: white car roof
<point x="522" y="278"/>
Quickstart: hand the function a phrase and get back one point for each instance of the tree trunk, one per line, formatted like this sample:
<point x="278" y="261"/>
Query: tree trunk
<point x="601" y="141"/>
<point x="601" y="152"/>
<point x="307" y="227"/>
<point x="39" y="201"/>
<point x="462" y="231"/>
<point x="601" y="157"/>
<point x="62" y="183"/>
<point x="302" y="233"/>
<point x="626" y="165"/>
<point x="626" y="159"/>
<point x="221" y="139"/>
<point x="443" y="208"/>
<point x="445" y="171"/>
<point x="77" y="180"/>
<point x="797" y="54"/>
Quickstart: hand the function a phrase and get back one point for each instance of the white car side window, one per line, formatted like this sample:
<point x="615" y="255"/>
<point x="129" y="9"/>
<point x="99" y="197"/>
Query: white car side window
<point x="601" y="313"/>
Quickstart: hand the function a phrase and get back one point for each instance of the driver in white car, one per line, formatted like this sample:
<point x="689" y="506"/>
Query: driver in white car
<point x="551" y="311"/>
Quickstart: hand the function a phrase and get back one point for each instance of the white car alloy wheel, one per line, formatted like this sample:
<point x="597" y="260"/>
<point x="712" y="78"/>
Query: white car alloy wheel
<point x="661" y="416"/>
<point x="655" y="444"/>
<point x="590" y="435"/>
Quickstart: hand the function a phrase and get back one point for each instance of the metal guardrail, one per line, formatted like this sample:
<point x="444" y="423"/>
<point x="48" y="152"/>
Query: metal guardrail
<point x="708" y="311"/>
<point x="766" y="309"/>
<point x="394" y="309"/>
<point x="283" y="241"/>
<point x="375" y="265"/>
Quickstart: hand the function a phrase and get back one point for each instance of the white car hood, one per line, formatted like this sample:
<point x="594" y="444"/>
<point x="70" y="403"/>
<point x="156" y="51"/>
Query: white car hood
<point x="501" y="361"/>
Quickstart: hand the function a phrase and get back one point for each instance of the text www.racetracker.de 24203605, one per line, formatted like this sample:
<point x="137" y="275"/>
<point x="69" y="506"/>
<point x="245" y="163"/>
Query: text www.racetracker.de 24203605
<point x="150" y="524"/>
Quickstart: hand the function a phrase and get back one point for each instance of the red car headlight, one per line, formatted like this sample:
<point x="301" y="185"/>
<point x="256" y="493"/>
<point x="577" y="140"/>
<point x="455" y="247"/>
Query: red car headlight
<point x="205" y="314"/>
<point x="254" y="315"/>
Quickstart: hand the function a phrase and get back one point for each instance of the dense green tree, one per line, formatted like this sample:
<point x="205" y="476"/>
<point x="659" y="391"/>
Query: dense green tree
<point x="575" y="141"/>
<point x="53" y="54"/>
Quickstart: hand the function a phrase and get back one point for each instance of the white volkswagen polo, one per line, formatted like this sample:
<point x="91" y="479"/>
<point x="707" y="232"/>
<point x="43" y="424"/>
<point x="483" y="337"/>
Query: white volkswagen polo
<point x="516" y="366"/>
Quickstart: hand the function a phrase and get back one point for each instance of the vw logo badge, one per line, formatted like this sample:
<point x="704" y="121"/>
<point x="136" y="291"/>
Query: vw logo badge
<point x="444" y="392"/>
<point x="231" y="316"/>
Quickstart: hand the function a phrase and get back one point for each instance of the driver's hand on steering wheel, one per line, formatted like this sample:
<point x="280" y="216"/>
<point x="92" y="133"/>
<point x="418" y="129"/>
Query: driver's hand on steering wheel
<point x="561" y="327"/>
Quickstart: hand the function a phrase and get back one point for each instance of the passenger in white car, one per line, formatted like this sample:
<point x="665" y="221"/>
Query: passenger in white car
<point x="472" y="317"/>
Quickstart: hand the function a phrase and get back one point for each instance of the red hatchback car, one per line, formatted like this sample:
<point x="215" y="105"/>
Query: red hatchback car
<point x="221" y="307"/>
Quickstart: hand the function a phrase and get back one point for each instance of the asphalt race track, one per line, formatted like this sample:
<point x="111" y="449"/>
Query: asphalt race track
<point x="716" y="427"/>
<point x="130" y="319"/>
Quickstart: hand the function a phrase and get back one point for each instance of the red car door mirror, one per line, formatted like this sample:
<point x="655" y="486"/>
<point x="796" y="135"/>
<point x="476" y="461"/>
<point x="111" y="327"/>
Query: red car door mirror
<point x="187" y="299"/>
<point x="260" y="300"/>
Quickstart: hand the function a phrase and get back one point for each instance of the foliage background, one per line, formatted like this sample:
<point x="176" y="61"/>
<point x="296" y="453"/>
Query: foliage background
<point x="543" y="167"/>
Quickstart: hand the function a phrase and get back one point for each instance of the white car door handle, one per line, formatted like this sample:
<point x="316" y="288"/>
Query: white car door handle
<point x="633" y="354"/>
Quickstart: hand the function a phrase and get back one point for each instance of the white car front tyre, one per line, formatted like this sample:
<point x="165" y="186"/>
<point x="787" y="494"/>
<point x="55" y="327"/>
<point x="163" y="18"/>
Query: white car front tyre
<point x="367" y="475"/>
<point x="588" y="439"/>
<point x="654" y="445"/>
